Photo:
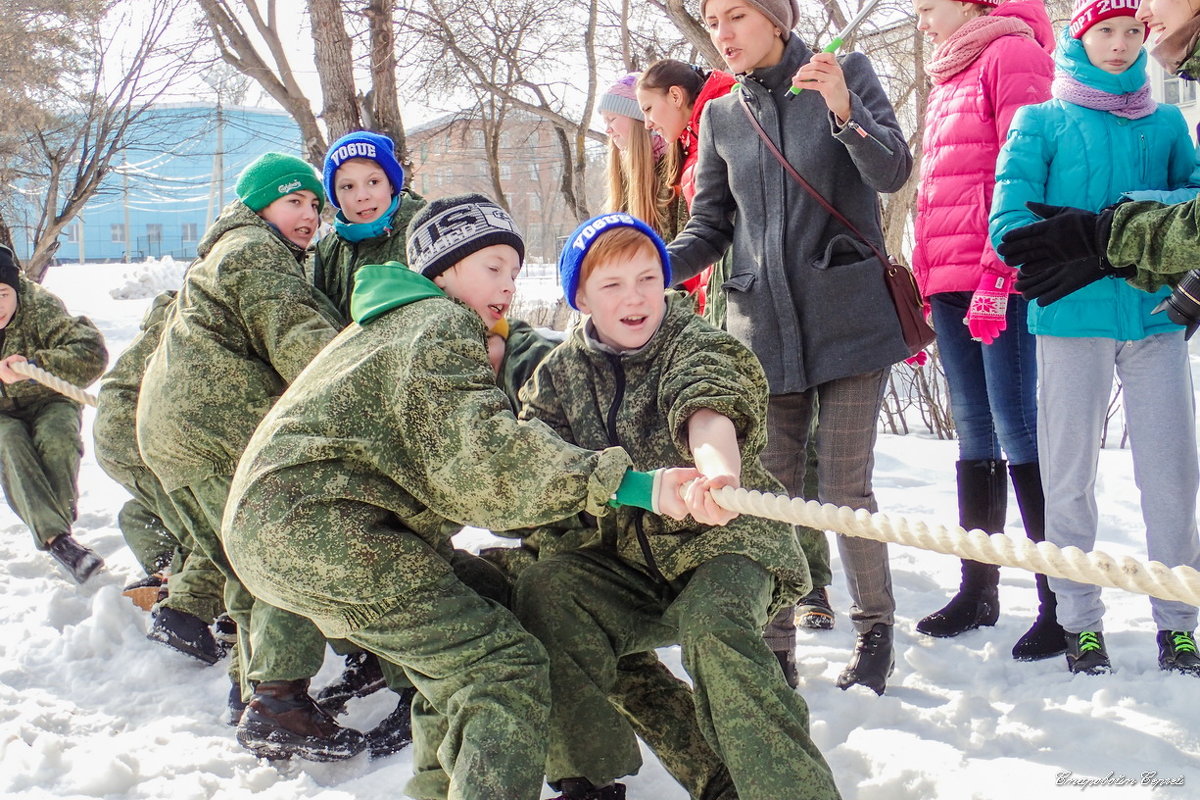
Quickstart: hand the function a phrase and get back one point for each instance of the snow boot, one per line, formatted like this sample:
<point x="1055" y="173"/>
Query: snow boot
<point x="583" y="789"/>
<point x="225" y="632"/>
<point x="1086" y="654"/>
<point x="394" y="732"/>
<point x="362" y="676"/>
<point x="234" y="705"/>
<point x="81" y="562"/>
<point x="1177" y="652"/>
<point x="814" y="611"/>
<point x="787" y="662"/>
<point x="1046" y="638"/>
<point x="282" y="720"/>
<point x="146" y="592"/>
<point x="873" y="662"/>
<point x="185" y="633"/>
<point x="982" y="503"/>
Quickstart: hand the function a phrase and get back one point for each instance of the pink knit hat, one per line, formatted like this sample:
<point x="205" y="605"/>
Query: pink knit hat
<point x="1087" y="13"/>
<point x="622" y="99"/>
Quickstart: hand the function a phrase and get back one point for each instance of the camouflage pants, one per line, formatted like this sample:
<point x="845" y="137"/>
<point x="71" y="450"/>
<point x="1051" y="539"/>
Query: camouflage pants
<point x="273" y="644"/>
<point x="589" y="608"/>
<point x="153" y="530"/>
<point x="40" y="450"/>
<point x="658" y="706"/>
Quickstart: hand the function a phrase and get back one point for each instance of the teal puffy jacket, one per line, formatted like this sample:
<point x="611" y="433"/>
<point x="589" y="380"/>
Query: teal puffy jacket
<point x="1067" y="155"/>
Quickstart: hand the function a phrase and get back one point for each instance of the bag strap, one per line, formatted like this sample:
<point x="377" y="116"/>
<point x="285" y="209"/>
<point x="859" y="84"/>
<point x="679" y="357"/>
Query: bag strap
<point x="790" y="170"/>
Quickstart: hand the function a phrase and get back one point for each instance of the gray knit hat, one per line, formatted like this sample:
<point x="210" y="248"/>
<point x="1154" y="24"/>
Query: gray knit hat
<point x="622" y="99"/>
<point x="784" y="13"/>
<point x="451" y="228"/>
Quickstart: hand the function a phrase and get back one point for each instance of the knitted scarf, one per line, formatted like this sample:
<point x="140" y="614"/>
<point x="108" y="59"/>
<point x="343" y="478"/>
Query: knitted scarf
<point x="1131" y="105"/>
<point x="963" y="46"/>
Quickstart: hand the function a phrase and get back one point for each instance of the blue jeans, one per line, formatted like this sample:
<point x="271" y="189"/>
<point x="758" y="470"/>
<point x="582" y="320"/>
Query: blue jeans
<point x="993" y="388"/>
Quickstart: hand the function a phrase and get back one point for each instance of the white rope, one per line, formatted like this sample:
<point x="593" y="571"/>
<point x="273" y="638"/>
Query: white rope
<point x="53" y="381"/>
<point x="1152" y="578"/>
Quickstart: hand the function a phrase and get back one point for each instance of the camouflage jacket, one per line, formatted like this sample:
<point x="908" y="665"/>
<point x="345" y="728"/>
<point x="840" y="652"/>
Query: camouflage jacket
<point x="42" y="331"/>
<point x="397" y="426"/>
<point x="245" y="324"/>
<point x="337" y="260"/>
<point x="524" y="349"/>
<point x="641" y="401"/>
<point x="115" y="427"/>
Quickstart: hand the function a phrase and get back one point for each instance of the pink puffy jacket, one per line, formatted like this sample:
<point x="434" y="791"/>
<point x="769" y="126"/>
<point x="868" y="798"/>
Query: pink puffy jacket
<point x="966" y="122"/>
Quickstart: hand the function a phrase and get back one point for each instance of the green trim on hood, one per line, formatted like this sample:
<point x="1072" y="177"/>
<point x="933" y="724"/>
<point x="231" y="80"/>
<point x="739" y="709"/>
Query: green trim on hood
<point x="379" y="288"/>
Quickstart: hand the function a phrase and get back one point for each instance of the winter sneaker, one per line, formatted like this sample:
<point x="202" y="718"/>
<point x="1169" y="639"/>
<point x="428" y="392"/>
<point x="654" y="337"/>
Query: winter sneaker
<point x="80" y="561"/>
<point x="224" y="631"/>
<point x="787" y="662"/>
<point x="872" y="662"/>
<point x="361" y="677"/>
<point x="186" y="633"/>
<point x="282" y="720"/>
<point x="962" y="614"/>
<point x="145" y="593"/>
<point x="394" y="732"/>
<point x="1086" y="654"/>
<point x="583" y="789"/>
<point x="814" y="612"/>
<point x="1177" y="652"/>
<point x="234" y="705"/>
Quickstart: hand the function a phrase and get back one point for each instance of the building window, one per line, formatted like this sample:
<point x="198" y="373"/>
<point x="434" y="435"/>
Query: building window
<point x="187" y="232"/>
<point x="72" y="232"/>
<point x="535" y="173"/>
<point x="154" y="233"/>
<point x="535" y="204"/>
<point x="1177" y="91"/>
<point x="477" y="139"/>
<point x="118" y="232"/>
<point x="506" y="172"/>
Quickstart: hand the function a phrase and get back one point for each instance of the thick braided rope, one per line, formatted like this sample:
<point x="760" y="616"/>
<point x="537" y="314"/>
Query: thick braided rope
<point x="1152" y="578"/>
<point x="54" y="382"/>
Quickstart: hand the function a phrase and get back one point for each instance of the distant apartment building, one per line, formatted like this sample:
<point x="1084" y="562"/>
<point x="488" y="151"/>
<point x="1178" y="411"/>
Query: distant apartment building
<point x="449" y="156"/>
<point x="169" y="184"/>
<point x="1171" y="89"/>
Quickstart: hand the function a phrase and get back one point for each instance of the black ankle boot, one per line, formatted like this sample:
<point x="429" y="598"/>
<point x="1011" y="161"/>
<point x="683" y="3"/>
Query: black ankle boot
<point x="583" y="789"/>
<point x="361" y="677"/>
<point x="982" y="504"/>
<point x="185" y="633"/>
<point x="282" y="720"/>
<point x="1046" y="638"/>
<point x="81" y="562"/>
<point x="394" y="732"/>
<point x="872" y="662"/>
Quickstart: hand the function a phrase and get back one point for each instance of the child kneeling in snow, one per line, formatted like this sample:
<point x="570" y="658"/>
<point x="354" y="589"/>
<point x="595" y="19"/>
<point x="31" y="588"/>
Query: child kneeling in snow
<point x="391" y="440"/>
<point x="645" y="373"/>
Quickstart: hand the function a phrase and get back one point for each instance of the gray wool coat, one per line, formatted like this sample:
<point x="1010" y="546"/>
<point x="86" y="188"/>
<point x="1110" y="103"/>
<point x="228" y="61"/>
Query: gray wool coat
<point x="804" y="294"/>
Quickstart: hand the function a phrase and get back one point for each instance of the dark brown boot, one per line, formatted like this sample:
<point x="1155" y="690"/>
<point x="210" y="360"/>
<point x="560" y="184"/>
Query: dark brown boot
<point x="282" y="720"/>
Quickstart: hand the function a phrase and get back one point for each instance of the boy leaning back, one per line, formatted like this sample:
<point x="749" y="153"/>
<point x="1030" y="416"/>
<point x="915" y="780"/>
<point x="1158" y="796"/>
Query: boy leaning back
<point x="643" y="372"/>
<point x="392" y="439"/>
<point x="39" y="428"/>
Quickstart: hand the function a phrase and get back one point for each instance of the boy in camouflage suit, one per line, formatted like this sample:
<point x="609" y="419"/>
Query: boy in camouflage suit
<point x="648" y="375"/>
<point x="151" y="526"/>
<point x="40" y="444"/>
<point x="394" y="438"/>
<point x="245" y="323"/>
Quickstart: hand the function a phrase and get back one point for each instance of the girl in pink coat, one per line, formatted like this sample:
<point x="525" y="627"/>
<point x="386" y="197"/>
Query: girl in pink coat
<point x="989" y="60"/>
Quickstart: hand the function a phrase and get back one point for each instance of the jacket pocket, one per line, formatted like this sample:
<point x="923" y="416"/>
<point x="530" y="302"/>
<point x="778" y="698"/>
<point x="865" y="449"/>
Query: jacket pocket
<point x="842" y="250"/>
<point x="740" y="282"/>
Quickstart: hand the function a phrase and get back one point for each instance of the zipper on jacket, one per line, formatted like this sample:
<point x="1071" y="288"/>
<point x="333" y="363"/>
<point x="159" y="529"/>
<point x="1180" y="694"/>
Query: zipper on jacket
<point x="614" y="407"/>
<point x="1145" y="157"/>
<point x="861" y="131"/>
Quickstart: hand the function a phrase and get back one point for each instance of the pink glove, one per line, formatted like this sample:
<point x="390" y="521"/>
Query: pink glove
<point x="919" y="360"/>
<point x="985" y="318"/>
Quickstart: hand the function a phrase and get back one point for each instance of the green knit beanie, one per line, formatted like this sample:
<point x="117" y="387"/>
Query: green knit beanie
<point x="272" y="175"/>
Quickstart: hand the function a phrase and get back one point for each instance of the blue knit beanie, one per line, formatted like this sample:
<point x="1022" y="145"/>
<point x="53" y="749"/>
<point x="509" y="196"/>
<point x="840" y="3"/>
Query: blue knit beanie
<point x="363" y="144"/>
<point x="570" y="262"/>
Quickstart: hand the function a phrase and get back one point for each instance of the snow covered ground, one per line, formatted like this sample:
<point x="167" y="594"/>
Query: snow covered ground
<point x="90" y="708"/>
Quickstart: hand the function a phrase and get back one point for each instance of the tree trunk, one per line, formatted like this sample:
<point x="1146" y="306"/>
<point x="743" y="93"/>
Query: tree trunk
<point x="383" y="106"/>
<point x="335" y="67"/>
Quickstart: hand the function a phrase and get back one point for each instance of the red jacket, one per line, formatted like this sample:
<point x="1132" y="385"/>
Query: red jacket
<point x="966" y="123"/>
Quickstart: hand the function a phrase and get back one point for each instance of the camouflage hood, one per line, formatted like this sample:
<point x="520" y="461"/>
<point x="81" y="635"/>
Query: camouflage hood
<point x="379" y="288"/>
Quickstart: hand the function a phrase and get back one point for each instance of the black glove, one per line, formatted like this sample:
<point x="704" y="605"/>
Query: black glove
<point x="1060" y="255"/>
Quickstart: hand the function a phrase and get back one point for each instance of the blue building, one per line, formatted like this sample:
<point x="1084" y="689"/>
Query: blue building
<point x="171" y="182"/>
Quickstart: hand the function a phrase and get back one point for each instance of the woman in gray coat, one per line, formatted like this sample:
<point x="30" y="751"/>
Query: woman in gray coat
<point x="805" y="294"/>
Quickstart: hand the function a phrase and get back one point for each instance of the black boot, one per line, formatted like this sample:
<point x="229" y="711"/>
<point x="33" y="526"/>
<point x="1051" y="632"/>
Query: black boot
<point x="872" y="662"/>
<point x="282" y="721"/>
<point x="225" y="632"/>
<point x="185" y="633"/>
<point x="1046" y="638"/>
<point x="982" y="503"/>
<point x="1177" y="652"/>
<point x="1086" y="653"/>
<point x="80" y="561"/>
<point x="234" y="705"/>
<point x="361" y="677"/>
<point x="394" y="732"/>
<point x="787" y="662"/>
<point x="583" y="789"/>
